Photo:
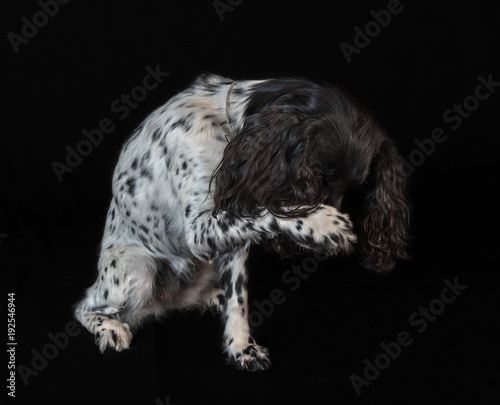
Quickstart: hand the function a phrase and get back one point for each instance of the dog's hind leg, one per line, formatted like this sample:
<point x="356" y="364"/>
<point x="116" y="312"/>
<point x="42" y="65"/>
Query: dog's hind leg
<point x="121" y="297"/>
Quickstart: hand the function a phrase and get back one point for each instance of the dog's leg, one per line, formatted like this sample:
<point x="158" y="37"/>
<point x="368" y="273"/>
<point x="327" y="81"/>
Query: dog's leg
<point x="120" y="296"/>
<point x="227" y="239"/>
<point x="239" y="346"/>
<point x="325" y="230"/>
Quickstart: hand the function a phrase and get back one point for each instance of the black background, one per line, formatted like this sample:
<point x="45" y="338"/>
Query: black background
<point x="65" y="79"/>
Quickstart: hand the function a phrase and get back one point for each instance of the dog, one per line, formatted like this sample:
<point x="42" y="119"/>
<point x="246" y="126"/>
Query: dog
<point x="226" y="164"/>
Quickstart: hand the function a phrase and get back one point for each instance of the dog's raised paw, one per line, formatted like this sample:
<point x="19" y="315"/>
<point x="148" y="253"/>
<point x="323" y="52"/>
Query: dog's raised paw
<point x="326" y="231"/>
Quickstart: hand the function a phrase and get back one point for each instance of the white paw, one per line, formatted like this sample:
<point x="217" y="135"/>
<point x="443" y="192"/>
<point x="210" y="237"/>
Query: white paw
<point x="248" y="356"/>
<point x="114" y="335"/>
<point x="326" y="231"/>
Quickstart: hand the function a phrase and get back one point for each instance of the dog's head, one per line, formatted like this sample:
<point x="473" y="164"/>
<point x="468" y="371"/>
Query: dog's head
<point x="303" y="145"/>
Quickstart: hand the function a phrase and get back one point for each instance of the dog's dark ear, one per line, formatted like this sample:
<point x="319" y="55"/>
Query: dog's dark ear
<point x="386" y="214"/>
<point x="264" y="166"/>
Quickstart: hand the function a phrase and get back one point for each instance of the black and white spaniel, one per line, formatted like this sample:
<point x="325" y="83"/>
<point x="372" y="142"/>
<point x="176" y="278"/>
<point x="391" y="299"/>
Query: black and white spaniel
<point x="221" y="166"/>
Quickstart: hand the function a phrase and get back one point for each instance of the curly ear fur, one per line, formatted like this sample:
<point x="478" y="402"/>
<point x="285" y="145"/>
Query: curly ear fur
<point x="264" y="167"/>
<point x="387" y="212"/>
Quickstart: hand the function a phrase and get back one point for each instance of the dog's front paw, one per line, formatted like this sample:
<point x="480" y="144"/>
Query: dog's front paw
<point x="326" y="231"/>
<point x="114" y="335"/>
<point x="248" y="356"/>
